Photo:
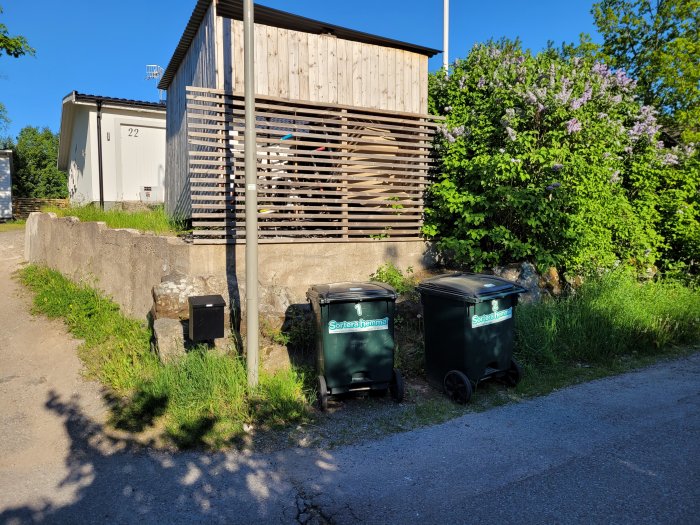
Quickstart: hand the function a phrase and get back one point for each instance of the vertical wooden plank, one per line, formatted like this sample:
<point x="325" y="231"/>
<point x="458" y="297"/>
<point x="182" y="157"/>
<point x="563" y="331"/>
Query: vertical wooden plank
<point x="356" y="73"/>
<point x="304" y="79"/>
<point x="391" y="78"/>
<point x="237" y="53"/>
<point x="342" y="78"/>
<point x="374" y="76"/>
<point x="366" y="82"/>
<point x="399" y="79"/>
<point x="348" y="71"/>
<point x="272" y="62"/>
<point x="313" y="68"/>
<point x="415" y="82"/>
<point x="383" y="67"/>
<point x="332" y="70"/>
<point x="322" y="64"/>
<point x="219" y="32"/>
<point x="293" y="50"/>
<point x="261" y="60"/>
<point x="227" y="54"/>
<point x="283" y="61"/>
<point x="407" y="81"/>
<point x="423" y="85"/>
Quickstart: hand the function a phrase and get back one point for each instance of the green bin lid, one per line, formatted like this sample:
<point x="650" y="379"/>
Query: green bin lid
<point x="350" y="292"/>
<point x="470" y="287"/>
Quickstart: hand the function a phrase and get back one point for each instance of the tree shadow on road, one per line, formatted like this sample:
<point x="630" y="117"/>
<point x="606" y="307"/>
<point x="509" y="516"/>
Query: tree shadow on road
<point x="120" y="481"/>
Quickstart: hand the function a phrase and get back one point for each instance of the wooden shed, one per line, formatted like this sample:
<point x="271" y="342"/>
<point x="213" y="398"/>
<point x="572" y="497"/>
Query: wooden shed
<point x="343" y="135"/>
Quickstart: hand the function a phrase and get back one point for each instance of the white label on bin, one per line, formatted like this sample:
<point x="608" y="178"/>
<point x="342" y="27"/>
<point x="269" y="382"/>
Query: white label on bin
<point x="492" y="318"/>
<point x="361" y="325"/>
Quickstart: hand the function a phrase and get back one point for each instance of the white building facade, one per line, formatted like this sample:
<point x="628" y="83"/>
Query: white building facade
<point x="113" y="149"/>
<point x="5" y="184"/>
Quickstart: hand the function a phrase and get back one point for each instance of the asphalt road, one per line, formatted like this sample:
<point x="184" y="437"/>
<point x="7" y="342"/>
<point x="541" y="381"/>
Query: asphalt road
<point x="619" y="450"/>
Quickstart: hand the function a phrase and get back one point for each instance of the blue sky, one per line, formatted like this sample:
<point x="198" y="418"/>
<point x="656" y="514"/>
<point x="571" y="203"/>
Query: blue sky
<point x="102" y="48"/>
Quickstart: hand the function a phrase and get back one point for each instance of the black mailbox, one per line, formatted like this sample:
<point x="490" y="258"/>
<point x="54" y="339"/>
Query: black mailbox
<point x="206" y="317"/>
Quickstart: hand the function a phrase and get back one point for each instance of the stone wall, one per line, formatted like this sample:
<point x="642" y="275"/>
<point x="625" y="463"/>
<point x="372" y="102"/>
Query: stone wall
<point x="127" y="264"/>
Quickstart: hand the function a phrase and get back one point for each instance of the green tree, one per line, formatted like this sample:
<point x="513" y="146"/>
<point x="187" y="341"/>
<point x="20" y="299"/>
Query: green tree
<point x="14" y="46"/>
<point x="658" y="44"/>
<point x="36" y="174"/>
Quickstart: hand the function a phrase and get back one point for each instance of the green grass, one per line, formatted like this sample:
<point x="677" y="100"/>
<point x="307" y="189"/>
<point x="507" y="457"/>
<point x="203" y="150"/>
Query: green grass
<point x="611" y="324"/>
<point x="154" y="220"/>
<point x="12" y="225"/>
<point x="202" y="401"/>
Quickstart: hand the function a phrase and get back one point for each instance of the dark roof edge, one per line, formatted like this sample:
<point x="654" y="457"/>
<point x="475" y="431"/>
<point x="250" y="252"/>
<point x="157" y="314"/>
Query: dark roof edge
<point x="273" y="17"/>
<point x="74" y="96"/>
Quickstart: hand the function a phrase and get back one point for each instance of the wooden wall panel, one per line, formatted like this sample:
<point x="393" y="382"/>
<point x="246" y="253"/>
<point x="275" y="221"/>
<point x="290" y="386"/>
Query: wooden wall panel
<point x="391" y="79"/>
<point x="294" y="65"/>
<point x="323" y="68"/>
<point x="325" y="171"/>
<point x="423" y="84"/>
<point x="198" y="68"/>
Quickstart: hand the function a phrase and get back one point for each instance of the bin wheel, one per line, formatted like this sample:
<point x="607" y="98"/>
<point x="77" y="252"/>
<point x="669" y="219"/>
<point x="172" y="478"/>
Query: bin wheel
<point x="514" y="373"/>
<point x="457" y="387"/>
<point x="322" y="393"/>
<point x="397" y="387"/>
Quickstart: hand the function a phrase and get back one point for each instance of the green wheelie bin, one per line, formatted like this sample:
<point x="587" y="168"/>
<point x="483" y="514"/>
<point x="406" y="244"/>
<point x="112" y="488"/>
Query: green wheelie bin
<point x="469" y="331"/>
<point x="354" y="339"/>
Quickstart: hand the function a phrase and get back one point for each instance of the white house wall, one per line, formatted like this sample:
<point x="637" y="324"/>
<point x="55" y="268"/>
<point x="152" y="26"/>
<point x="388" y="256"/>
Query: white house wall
<point x="5" y="187"/>
<point x="79" y="166"/>
<point x="133" y="155"/>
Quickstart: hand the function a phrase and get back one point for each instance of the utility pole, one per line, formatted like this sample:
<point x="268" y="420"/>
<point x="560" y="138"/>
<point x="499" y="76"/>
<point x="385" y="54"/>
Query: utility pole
<point x="251" y="196"/>
<point x="445" y="35"/>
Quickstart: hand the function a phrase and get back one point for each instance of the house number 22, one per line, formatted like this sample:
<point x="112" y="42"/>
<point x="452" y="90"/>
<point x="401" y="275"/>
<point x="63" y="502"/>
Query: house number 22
<point x="133" y="132"/>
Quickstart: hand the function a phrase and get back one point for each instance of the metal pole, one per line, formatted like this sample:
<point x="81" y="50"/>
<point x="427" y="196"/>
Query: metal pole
<point x="99" y="155"/>
<point x="445" y="35"/>
<point x="251" y="197"/>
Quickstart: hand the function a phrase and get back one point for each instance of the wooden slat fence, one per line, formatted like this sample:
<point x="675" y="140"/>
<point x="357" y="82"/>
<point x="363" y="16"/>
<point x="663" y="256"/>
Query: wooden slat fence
<point x="22" y="207"/>
<point x="325" y="171"/>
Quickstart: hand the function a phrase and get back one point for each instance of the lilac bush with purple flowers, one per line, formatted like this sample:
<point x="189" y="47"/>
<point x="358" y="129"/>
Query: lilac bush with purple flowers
<point x="550" y="158"/>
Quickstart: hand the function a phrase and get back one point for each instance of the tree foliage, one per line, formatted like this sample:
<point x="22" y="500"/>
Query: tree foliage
<point x="658" y="44"/>
<point x="36" y="173"/>
<point x="552" y="159"/>
<point x="14" y="46"/>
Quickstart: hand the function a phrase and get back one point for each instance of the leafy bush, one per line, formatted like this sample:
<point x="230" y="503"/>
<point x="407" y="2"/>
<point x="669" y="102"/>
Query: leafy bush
<point x="390" y="274"/>
<point x="550" y="158"/>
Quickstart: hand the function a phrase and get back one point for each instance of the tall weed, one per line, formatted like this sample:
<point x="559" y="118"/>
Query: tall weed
<point x="153" y="220"/>
<point x="608" y="317"/>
